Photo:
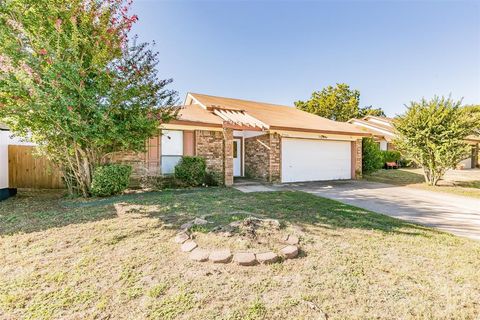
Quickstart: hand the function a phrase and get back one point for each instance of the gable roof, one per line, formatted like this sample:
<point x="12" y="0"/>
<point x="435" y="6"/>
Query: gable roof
<point x="272" y="116"/>
<point x="380" y="128"/>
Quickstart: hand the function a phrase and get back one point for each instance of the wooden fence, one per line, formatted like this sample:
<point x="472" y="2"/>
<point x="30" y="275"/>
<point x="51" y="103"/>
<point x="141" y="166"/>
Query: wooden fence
<point x="26" y="170"/>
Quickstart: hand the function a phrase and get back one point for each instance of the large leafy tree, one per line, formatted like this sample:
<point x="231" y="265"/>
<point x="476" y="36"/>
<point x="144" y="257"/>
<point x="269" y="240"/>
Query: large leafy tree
<point x="72" y="81"/>
<point x="370" y="111"/>
<point x="473" y="111"/>
<point x="338" y="103"/>
<point x="432" y="134"/>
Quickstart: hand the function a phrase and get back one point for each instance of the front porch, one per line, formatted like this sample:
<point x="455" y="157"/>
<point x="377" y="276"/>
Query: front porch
<point x="256" y="155"/>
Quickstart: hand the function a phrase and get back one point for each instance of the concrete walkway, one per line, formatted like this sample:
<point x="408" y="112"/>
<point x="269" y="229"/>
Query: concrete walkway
<point x="456" y="214"/>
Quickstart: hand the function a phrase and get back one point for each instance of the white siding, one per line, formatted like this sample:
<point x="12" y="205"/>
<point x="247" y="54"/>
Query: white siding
<point x="315" y="160"/>
<point x="383" y="145"/>
<point x="4" y="159"/>
<point x="467" y="163"/>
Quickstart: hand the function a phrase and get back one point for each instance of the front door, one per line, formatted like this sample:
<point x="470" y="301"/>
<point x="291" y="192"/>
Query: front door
<point x="237" y="157"/>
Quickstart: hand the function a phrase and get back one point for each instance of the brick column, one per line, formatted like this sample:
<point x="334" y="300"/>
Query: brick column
<point x="228" y="156"/>
<point x="275" y="158"/>
<point x="357" y="159"/>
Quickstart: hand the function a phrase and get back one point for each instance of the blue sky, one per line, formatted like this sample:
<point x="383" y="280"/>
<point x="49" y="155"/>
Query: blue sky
<point x="281" y="51"/>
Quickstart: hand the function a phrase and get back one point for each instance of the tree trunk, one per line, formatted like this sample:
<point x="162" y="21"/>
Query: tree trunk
<point x="427" y="175"/>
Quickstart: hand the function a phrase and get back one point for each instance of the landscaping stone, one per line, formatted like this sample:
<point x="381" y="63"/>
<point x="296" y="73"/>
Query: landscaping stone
<point x="289" y="252"/>
<point x="186" y="226"/>
<point x="199" y="221"/>
<point x="200" y="255"/>
<point x="188" y="246"/>
<point x="226" y="234"/>
<point x="181" y="237"/>
<point x="220" y="256"/>
<point x="291" y="240"/>
<point x="267" y="257"/>
<point x="245" y="258"/>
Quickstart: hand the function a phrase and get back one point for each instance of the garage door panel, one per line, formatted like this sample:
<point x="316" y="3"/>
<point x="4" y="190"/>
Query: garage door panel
<point x="315" y="160"/>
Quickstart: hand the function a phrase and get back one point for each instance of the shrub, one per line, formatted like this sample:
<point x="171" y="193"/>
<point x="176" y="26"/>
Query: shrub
<point x="372" y="158"/>
<point x="391" y="156"/>
<point x="191" y="170"/>
<point x="110" y="179"/>
<point x="213" y="179"/>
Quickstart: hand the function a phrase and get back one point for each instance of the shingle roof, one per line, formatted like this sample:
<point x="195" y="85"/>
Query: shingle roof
<point x="374" y="124"/>
<point x="195" y="113"/>
<point x="277" y="116"/>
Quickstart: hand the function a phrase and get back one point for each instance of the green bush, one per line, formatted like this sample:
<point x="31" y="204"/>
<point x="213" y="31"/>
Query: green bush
<point x="391" y="156"/>
<point x="213" y="179"/>
<point x="372" y="158"/>
<point x="110" y="179"/>
<point x="191" y="171"/>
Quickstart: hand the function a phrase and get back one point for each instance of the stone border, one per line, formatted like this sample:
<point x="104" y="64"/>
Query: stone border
<point x="241" y="258"/>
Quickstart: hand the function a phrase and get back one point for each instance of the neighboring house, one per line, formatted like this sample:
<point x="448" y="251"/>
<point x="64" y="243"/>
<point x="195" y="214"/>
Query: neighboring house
<point x="382" y="130"/>
<point x="380" y="127"/>
<point x="254" y="139"/>
<point x="4" y="192"/>
<point x="7" y="139"/>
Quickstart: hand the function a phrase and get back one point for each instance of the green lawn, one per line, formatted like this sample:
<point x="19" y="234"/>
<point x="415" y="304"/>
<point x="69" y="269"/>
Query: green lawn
<point x="78" y="259"/>
<point x="412" y="178"/>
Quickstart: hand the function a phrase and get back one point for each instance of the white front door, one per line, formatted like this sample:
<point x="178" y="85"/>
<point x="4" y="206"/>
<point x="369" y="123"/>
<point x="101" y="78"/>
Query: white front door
<point x="237" y="157"/>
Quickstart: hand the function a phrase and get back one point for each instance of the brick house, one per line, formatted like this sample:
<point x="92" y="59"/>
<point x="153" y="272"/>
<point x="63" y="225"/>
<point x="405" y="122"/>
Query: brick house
<point x="240" y="138"/>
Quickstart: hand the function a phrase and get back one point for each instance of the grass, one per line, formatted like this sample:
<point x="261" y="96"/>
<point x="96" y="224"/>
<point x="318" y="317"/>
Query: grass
<point x="80" y="259"/>
<point x="412" y="178"/>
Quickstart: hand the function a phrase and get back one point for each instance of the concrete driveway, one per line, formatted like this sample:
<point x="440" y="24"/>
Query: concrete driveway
<point x="456" y="214"/>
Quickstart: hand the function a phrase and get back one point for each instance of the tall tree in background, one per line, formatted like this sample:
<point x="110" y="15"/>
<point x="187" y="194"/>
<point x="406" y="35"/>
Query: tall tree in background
<point x="473" y="112"/>
<point x="339" y="103"/>
<point x="72" y="82"/>
<point x="370" y="111"/>
<point x="432" y="134"/>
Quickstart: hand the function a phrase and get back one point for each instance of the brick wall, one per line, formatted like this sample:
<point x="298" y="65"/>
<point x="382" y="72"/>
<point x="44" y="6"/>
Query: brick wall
<point x="262" y="157"/>
<point x="275" y="158"/>
<point x="217" y="149"/>
<point x="357" y="159"/>
<point x="228" y="156"/>
<point x="390" y="146"/>
<point x="257" y="157"/>
<point x="209" y="145"/>
<point x="135" y="159"/>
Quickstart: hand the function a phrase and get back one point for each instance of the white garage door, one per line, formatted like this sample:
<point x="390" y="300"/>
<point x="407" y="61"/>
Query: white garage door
<point x="314" y="160"/>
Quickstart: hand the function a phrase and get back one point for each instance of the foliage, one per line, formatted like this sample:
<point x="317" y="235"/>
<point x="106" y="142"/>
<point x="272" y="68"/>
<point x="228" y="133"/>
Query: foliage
<point x="432" y="134"/>
<point x="338" y="103"/>
<point x="473" y="111"/>
<point x="372" y="157"/>
<point x="110" y="179"/>
<point x="213" y="179"/>
<point x="391" y="156"/>
<point x="72" y="82"/>
<point x="191" y="170"/>
<point x="370" y="111"/>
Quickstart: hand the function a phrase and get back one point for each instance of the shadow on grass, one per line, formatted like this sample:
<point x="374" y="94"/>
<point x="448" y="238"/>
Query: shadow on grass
<point x="468" y="184"/>
<point x="40" y="211"/>
<point x="395" y="176"/>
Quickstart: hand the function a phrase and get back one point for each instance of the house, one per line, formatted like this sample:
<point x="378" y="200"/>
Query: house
<point x="6" y="140"/>
<point x="383" y="132"/>
<point x="4" y="192"/>
<point x="380" y="127"/>
<point x="240" y="138"/>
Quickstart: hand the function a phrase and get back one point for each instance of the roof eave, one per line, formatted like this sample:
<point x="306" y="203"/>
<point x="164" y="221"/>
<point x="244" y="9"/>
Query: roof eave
<point x="349" y="133"/>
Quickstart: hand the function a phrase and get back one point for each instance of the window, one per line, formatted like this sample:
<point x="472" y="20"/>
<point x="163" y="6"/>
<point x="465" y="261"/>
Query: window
<point x="172" y="150"/>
